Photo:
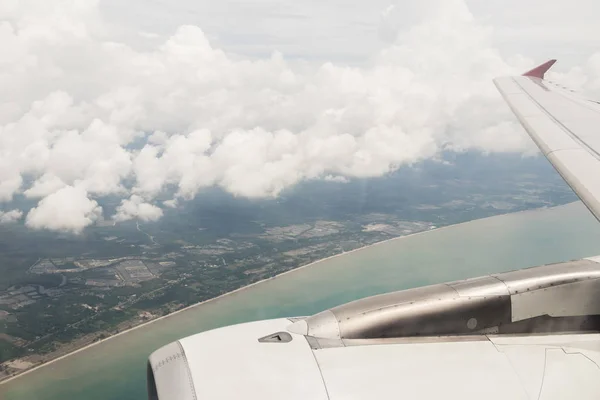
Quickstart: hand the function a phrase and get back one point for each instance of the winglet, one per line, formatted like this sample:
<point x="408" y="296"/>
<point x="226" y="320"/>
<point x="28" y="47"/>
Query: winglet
<point x="539" y="71"/>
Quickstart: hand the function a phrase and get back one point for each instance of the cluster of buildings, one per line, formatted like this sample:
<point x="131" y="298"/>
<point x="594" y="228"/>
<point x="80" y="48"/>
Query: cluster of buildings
<point x="18" y="297"/>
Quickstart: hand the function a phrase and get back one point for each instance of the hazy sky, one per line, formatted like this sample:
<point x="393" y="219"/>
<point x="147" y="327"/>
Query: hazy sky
<point x="353" y="31"/>
<point x="141" y="98"/>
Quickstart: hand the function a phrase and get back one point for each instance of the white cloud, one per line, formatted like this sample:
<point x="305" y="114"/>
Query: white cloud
<point x="171" y="203"/>
<point x="7" y="217"/>
<point x="69" y="209"/>
<point x="84" y="114"/>
<point x="334" y="178"/>
<point x="44" y="185"/>
<point x="136" y="208"/>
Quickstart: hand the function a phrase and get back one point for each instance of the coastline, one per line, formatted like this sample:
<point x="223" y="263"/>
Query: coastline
<point x="144" y="324"/>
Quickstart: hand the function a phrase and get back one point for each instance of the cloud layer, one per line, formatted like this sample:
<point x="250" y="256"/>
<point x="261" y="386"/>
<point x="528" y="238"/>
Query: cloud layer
<point x="83" y="116"/>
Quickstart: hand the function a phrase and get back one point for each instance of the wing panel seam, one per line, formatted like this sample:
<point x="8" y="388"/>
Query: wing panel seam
<point x="569" y="132"/>
<point x="189" y="372"/>
<point x="579" y="102"/>
<point x="559" y="150"/>
<point x="319" y="367"/>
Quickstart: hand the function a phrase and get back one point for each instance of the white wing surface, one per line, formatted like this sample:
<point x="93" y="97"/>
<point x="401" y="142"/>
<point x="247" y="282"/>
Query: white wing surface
<point x="531" y="334"/>
<point x="565" y="126"/>
<point x="230" y="363"/>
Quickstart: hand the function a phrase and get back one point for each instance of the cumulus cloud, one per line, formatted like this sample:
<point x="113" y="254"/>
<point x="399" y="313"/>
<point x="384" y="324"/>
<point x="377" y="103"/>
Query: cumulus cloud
<point x="7" y="217"/>
<point x="84" y="116"/>
<point x="171" y="203"/>
<point x="136" y="208"/>
<point x="68" y="209"/>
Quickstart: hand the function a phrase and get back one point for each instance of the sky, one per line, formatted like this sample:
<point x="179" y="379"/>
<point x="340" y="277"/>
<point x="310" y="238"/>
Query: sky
<point x="147" y="100"/>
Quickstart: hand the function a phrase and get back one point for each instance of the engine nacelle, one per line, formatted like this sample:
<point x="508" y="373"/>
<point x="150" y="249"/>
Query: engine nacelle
<point x="562" y="297"/>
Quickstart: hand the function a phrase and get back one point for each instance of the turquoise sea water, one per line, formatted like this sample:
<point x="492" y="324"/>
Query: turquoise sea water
<point x="115" y="369"/>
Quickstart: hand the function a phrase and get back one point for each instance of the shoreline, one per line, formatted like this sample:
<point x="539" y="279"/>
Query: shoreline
<point x="301" y="267"/>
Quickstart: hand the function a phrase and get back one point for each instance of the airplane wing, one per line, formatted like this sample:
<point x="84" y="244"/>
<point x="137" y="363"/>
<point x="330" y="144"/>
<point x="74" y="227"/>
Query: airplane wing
<point x="532" y="334"/>
<point x="565" y="126"/>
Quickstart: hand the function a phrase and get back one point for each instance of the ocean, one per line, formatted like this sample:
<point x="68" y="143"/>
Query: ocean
<point x="116" y="368"/>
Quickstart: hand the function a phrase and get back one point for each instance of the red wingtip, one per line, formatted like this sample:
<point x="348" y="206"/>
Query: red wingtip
<point x="539" y="71"/>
